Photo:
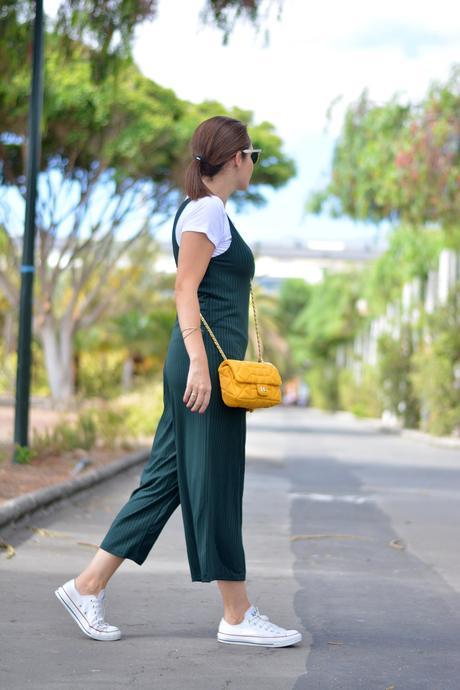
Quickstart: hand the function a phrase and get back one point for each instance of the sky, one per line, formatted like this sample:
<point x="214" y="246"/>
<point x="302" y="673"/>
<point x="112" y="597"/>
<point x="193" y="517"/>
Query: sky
<point x="316" y="53"/>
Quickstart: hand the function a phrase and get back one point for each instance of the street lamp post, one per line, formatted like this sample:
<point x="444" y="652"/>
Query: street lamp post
<point x="21" y="421"/>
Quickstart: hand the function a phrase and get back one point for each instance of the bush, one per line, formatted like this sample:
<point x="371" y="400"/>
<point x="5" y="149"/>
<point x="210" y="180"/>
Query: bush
<point x="364" y="398"/>
<point x="436" y="374"/>
<point x="65" y="436"/>
<point x="395" y="367"/>
<point x="110" y="425"/>
<point x="99" y="374"/>
<point x="23" y="454"/>
<point x="323" y="382"/>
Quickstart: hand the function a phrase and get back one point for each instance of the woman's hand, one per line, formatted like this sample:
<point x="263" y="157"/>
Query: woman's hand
<point x="198" y="388"/>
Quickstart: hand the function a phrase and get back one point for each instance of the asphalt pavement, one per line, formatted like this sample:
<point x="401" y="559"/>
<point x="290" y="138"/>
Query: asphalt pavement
<point x="351" y="536"/>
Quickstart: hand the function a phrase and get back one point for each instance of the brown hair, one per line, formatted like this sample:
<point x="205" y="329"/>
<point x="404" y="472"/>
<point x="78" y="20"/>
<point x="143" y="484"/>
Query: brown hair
<point x="213" y="143"/>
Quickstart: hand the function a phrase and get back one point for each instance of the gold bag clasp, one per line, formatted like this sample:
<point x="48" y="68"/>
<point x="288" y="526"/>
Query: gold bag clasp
<point x="262" y="389"/>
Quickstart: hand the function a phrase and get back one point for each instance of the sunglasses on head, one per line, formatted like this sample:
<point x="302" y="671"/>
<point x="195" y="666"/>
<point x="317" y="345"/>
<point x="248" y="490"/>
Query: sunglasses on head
<point x="254" y="154"/>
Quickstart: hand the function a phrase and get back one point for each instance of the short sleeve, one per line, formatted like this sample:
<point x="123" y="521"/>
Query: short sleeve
<point x="206" y="215"/>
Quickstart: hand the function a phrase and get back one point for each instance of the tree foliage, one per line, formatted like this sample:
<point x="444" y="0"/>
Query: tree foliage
<point x="399" y="162"/>
<point x="410" y="254"/>
<point x="330" y="317"/>
<point x="107" y="27"/>
<point x="226" y="13"/>
<point x="113" y="156"/>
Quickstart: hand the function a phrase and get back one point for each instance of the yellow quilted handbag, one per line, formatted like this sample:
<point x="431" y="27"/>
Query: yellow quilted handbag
<point x="247" y="384"/>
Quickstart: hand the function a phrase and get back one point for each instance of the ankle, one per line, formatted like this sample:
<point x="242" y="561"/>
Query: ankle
<point x="236" y="615"/>
<point x="87" y="585"/>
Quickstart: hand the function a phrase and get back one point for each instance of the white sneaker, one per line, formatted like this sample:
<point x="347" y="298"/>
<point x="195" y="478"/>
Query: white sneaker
<point x="256" y="629"/>
<point x="88" y="611"/>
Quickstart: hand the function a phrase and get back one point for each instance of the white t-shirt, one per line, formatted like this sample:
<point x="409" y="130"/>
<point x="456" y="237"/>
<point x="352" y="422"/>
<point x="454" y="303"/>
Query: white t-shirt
<point x="206" y="215"/>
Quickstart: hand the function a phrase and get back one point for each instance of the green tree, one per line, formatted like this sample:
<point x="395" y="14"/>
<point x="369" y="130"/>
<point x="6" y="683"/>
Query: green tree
<point x="399" y="162"/>
<point x="328" y="320"/>
<point x="408" y="256"/>
<point x="331" y="317"/>
<point x="107" y="26"/>
<point x="132" y="340"/>
<point x="112" y="161"/>
<point x="293" y="299"/>
<point x="274" y="345"/>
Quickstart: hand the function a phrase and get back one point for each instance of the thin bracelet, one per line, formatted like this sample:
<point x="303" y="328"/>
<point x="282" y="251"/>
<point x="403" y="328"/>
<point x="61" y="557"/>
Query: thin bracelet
<point x="186" y="336"/>
<point x="193" y="329"/>
<point x="189" y="328"/>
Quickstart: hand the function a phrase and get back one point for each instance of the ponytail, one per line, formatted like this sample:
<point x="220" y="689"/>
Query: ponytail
<point x="214" y="142"/>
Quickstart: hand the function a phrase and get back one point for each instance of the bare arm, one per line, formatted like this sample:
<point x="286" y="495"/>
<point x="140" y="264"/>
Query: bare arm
<point x="195" y="252"/>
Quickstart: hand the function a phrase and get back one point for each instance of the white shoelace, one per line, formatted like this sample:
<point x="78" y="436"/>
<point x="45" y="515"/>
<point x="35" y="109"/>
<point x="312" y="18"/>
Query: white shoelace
<point x="260" y="620"/>
<point x="98" y="613"/>
<point x="98" y="608"/>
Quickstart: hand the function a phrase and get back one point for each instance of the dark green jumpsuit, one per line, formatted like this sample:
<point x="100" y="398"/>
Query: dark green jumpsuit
<point x="197" y="460"/>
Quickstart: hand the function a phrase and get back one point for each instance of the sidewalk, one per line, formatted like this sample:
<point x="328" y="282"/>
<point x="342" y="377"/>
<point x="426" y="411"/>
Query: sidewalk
<point x="169" y="624"/>
<point x="378" y="424"/>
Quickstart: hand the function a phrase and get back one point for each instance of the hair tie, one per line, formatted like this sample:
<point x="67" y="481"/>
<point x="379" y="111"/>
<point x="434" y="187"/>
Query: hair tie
<point x="209" y="168"/>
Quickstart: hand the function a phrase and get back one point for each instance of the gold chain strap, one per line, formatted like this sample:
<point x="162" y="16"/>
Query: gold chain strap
<point x="255" y="323"/>
<point x="213" y="336"/>
<point x="259" y="346"/>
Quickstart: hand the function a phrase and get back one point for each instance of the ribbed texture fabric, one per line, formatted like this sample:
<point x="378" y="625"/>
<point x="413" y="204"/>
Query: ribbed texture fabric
<point x="197" y="460"/>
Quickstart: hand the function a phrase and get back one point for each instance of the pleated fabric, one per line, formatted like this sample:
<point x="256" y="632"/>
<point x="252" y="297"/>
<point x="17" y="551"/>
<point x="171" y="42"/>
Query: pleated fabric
<point x="197" y="460"/>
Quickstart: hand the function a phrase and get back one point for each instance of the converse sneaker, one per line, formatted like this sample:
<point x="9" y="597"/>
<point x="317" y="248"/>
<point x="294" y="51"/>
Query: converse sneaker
<point x="256" y="629"/>
<point x="88" y="611"/>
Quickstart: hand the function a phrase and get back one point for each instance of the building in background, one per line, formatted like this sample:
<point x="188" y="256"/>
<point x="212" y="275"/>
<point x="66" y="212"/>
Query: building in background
<point x="277" y="262"/>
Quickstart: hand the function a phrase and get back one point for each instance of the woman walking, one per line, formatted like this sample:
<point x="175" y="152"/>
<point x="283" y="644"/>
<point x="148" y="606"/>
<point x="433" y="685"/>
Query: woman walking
<point x="197" y="458"/>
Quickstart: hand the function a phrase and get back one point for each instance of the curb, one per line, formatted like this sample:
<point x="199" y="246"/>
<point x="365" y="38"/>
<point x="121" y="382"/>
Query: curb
<point x="28" y="503"/>
<point x="443" y="441"/>
<point x="414" y="434"/>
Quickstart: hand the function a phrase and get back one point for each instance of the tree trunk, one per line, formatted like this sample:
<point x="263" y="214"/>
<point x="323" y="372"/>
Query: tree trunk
<point x="127" y="374"/>
<point x="9" y="332"/>
<point x="58" y="350"/>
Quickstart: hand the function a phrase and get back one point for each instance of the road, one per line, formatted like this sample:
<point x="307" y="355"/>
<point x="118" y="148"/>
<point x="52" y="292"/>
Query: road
<point x="351" y="536"/>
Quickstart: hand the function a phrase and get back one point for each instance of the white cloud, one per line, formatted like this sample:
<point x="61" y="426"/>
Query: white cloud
<point x="307" y="63"/>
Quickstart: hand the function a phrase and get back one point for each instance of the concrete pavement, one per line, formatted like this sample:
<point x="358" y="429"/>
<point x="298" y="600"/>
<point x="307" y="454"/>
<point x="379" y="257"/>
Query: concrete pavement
<point x="169" y="624"/>
<point x="351" y="536"/>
